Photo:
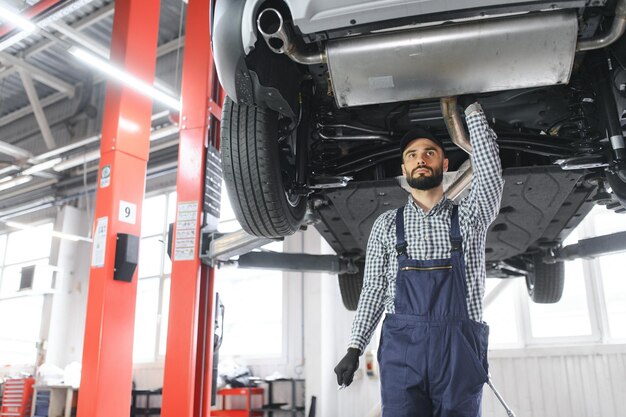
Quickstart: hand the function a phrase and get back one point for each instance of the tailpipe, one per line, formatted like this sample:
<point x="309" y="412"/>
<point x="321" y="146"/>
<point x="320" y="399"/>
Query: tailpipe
<point x="617" y="30"/>
<point x="277" y="36"/>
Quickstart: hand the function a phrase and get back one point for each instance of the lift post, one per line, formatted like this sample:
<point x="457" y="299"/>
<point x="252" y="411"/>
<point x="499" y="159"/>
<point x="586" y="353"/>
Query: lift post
<point x="106" y="380"/>
<point x="187" y="381"/>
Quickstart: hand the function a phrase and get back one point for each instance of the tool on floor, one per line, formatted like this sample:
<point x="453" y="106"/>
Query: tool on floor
<point x="509" y="412"/>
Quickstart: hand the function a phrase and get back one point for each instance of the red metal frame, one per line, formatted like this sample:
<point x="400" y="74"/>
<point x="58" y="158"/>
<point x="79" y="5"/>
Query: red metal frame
<point x="106" y="380"/>
<point x="189" y="358"/>
<point x="247" y="393"/>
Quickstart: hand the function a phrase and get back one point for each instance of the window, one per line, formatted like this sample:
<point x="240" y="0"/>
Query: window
<point x="253" y="302"/>
<point x="19" y="338"/>
<point x="593" y="306"/>
<point x="501" y="312"/>
<point x="570" y="316"/>
<point x="253" y="299"/>
<point x="612" y="286"/>
<point x="153" y="278"/>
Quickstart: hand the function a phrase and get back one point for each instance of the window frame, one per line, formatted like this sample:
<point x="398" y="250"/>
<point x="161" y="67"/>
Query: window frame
<point x="46" y="300"/>
<point x="595" y="296"/>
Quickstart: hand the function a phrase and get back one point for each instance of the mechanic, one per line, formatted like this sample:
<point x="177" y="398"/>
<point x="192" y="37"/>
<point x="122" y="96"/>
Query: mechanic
<point x="425" y="266"/>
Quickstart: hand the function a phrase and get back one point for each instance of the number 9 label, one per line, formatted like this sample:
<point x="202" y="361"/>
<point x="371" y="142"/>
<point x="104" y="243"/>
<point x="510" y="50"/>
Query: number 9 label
<point x="127" y="212"/>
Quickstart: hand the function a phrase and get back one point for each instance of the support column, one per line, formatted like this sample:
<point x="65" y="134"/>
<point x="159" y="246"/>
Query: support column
<point x="106" y="380"/>
<point x="188" y="362"/>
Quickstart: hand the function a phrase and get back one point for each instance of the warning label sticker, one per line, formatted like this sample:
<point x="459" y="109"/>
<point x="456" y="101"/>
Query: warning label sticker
<point x="98" y="250"/>
<point x="105" y="176"/>
<point x="186" y="230"/>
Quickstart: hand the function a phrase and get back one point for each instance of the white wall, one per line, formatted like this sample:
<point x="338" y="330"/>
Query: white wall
<point x="582" y="381"/>
<point x="327" y="330"/>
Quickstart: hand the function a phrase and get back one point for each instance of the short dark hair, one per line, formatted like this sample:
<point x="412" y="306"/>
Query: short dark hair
<point x="419" y="133"/>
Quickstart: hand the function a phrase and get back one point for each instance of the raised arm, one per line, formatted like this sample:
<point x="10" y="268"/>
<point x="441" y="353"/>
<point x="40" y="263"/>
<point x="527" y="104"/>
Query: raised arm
<point x="486" y="192"/>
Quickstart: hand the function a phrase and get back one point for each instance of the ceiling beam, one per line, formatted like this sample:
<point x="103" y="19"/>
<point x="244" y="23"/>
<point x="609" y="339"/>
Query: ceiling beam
<point x="26" y="110"/>
<point x="35" y="104"/>
<point x="39" y="74"/>
<point x="75" y="35"/>
<point x="44" y="44"/>
<point x="14" y="151"/>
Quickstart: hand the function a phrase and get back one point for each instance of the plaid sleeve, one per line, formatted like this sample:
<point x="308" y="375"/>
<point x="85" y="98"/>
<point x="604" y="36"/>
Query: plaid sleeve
<point x="487" y="184"/>
<point x="371" y="305"/>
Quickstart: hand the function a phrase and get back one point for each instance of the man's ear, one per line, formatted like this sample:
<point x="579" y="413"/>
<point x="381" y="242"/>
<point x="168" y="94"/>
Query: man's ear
<point x="403" y="170"/>
<point x="445" y="165"/>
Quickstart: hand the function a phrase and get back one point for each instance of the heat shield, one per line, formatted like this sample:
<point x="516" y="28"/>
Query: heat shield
<point x="530" y="50"/>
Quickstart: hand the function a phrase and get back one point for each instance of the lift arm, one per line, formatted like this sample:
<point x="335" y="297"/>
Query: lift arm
<point x="591" y="248"/>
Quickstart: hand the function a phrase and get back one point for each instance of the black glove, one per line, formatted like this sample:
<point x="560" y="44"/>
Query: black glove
<point x="347" y="366"/>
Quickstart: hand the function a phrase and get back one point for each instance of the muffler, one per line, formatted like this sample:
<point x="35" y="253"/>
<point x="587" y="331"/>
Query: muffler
<point x="440" y="61"/>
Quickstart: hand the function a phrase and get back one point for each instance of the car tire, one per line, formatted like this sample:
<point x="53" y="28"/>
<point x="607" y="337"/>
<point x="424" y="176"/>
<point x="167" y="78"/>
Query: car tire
<point x="254" y="172"/>
<point x="350" y="287"/>
<point x="545" y="282"/>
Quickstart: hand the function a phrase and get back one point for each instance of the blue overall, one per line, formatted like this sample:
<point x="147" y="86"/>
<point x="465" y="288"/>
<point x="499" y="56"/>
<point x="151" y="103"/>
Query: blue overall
<point x="433" y="358"/>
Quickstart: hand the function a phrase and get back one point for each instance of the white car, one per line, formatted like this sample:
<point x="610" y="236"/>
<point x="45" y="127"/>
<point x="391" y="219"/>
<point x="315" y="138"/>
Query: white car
<point x="319" y="93"/>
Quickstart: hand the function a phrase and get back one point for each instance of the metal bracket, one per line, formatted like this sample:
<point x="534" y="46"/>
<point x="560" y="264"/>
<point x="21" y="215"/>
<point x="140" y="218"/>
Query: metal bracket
<point x="222" y="247"/>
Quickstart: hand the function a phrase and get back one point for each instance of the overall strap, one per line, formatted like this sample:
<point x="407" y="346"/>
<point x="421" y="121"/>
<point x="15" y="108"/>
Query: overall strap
<point x="401" y="244"/>
<point x="455" y="230"/>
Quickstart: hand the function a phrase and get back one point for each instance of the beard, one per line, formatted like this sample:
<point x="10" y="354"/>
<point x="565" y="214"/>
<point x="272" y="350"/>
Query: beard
<point x="426" y="182"/>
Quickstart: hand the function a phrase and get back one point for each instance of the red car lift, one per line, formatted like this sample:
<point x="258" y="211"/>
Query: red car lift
<point x="188" y="361"/>
<point x="107" y="357"/>
<point x="106" y="380"/>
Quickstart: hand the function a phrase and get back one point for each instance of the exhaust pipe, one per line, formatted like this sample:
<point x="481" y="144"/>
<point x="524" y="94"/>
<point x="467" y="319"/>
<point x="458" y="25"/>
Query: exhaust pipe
<point x="272" y="27"/>
<point x="617" y="30"/>
<point x="458" y="135"/>
<point x="454" y="125"/>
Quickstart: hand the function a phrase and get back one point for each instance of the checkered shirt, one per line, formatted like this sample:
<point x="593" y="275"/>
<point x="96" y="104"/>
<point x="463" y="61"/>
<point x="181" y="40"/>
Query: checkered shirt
<point x="428" y="237"/>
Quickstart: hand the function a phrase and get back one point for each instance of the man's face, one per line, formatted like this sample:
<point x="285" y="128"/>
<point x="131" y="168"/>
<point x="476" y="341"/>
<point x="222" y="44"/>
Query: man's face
<point x="423" y="164"/>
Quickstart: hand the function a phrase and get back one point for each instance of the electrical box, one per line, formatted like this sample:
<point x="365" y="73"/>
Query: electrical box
<point x="126" y="257"/>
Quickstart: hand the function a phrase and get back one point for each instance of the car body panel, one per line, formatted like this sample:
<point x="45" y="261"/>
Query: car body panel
<point x="322" y="15"/>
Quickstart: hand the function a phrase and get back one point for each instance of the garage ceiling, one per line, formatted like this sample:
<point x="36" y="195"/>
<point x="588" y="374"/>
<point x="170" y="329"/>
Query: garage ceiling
<point x="51" y="103"/>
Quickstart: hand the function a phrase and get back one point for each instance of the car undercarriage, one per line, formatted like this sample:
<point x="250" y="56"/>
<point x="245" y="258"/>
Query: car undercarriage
<point x="312" y="125"/>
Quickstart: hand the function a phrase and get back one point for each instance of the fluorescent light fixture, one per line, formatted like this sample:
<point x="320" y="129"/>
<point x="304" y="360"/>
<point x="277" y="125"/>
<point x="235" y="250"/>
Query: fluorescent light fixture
<point x="42" y="166"/>
<point x="125" y="78"/>
<point x="13" y="18"/>
<point x="14" y="182"/>
<point x="60" y="235"/>
<point x="69" y="9"/>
